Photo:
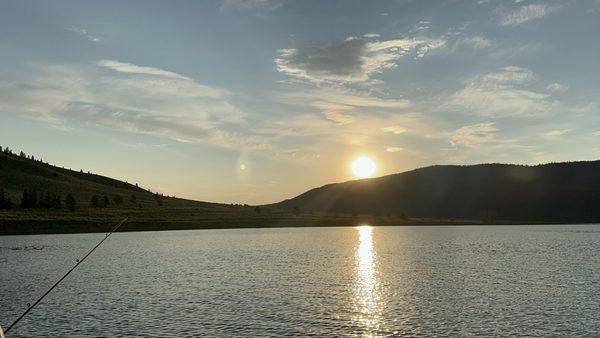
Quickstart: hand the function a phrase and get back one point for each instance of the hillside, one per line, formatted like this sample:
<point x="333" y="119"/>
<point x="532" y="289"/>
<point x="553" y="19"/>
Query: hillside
<point x="489" y="193"/>
<point x="557" y="192"/>
<point x="48" y="189"/>
<point x="19" y="172"/>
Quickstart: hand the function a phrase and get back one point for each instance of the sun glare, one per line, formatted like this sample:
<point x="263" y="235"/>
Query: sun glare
<point x="363" y="167"/>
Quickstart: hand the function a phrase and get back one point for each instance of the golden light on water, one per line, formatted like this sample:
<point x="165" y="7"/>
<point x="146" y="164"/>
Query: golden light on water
<point x="367" y="297"/>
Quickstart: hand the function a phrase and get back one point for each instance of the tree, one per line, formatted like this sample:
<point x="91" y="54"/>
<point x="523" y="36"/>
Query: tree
<point x="105" y="201"/>
<point x="296" y="210"/>
<point x="257" y="209"/>
<point x="46" y="201"/>
<point x="56" y="202"/>
<point x="158" y="199"/>
<point x="132" y="200"/>
<point x="70" y="202"/>
<point x="118" y="200"/>
<point x="94" y="202"/>
<point x="2" y="199"/>
<point x="25" y="199"/>
<point x="5" y="202"/>
<point x="29" y="199"/>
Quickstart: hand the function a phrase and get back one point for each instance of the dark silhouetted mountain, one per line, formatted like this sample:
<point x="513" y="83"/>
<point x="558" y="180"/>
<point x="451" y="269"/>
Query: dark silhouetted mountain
<point x="556" y="192"/>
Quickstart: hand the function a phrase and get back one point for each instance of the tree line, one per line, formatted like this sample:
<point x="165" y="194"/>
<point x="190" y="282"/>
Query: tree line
<point x="103" y="201"/>
<point x="32" y="199"/>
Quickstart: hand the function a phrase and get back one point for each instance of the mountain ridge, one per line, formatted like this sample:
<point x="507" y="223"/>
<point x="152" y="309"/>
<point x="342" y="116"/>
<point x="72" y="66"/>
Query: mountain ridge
<point x="485" y="191"/>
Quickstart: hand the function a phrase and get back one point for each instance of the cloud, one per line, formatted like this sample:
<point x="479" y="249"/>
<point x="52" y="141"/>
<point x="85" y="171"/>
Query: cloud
<point x="339" y="118"/>
<point x="510" y="75"/>
<point x="341" y="106"/>
<point x="123" y="67"/>
<point x="474" y="134"/>
<point x="526" y="14"/>
<point x="371" y="35"/>
<point x="351" y="60"/>
<point x="327" y="119"/>
<point x="501" y="94"/>
<point x="85" y="33"/>
<point x="242" y="5"/>
<point x="131" y="98"/>
<point x="555" y="134"/>
<point x="394" y="129"/>
<point x="475" y="42"/>
<point x="423" y="25"/>
<point x="556" y="88"/>
<point x="393" y="149"/>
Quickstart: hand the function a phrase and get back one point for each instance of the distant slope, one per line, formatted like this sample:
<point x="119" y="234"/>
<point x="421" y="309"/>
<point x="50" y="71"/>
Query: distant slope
<point x="18" y="173"/>
<point x="557" y="192"/>
<point x="150" y="212"/>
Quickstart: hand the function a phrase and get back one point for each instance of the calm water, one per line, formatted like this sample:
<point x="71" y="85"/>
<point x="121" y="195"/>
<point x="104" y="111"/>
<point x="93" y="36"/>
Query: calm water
<point x="380" y="281"/>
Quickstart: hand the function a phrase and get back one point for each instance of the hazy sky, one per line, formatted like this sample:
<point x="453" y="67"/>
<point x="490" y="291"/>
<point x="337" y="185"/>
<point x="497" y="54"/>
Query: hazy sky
<point x="179" y="96"/>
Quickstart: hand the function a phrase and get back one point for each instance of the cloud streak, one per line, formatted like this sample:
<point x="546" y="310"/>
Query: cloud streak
<point x="85" y="33"/>
<point x="526" y="14"/>
<point x="351" y="60"/>
<point x="474" y="134"/>
<point x="123" y="67"/>
<point x="508" y="92"/>
<point x="244" y="5"/>
<point x="130" y="98"/>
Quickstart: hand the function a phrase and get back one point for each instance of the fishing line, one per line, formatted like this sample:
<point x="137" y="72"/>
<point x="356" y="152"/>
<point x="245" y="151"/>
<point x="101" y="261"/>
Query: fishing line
<point x="79" y="261"/>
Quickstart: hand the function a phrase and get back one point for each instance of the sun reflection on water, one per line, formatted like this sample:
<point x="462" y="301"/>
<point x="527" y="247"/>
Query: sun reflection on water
<point x="367" y="298"/>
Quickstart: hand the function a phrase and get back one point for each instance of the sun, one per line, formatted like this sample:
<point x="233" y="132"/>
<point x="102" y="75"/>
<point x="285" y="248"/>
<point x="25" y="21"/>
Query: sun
<point x="363" y="167"/>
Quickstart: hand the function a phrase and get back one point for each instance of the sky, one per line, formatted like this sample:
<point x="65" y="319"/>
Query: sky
<point x="260" y="100"/>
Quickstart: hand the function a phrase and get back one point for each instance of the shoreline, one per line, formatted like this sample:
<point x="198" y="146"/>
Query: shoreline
<point x="50" y="227"/>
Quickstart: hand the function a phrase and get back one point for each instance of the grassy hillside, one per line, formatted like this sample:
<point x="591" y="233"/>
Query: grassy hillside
<point x="148" y="212"/>
<point x="557" y="192"/>
<point x="562" y="192"/>
<point x="18" y="173"/>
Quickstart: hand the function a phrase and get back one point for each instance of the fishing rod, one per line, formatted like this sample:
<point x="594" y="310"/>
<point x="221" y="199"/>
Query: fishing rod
<point x="79" y="261"/>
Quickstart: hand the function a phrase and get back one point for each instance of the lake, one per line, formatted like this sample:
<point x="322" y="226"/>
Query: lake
<point x="541" y="280"/>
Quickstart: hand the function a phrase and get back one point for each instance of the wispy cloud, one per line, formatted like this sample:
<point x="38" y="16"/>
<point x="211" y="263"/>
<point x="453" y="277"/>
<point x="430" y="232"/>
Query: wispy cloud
<point x="474" y="134"/>
<point x="351" y="60"/>
<point x="555" y="134"/>
<point x="526" y="13"/>
<point x="393" y="149"/>
<point x="556" y="88"/>
<point x="341" y="106"/>
<point x="85" y="33"/>
<point x="505" y="93"/>
<point x="394" y="129"/>
<point x="124" y="67"/>
<point x="268" y="5"/>
<point x="135" y="99"/>
<point x="338" y="117"/>
<point x="475" y="42"/>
